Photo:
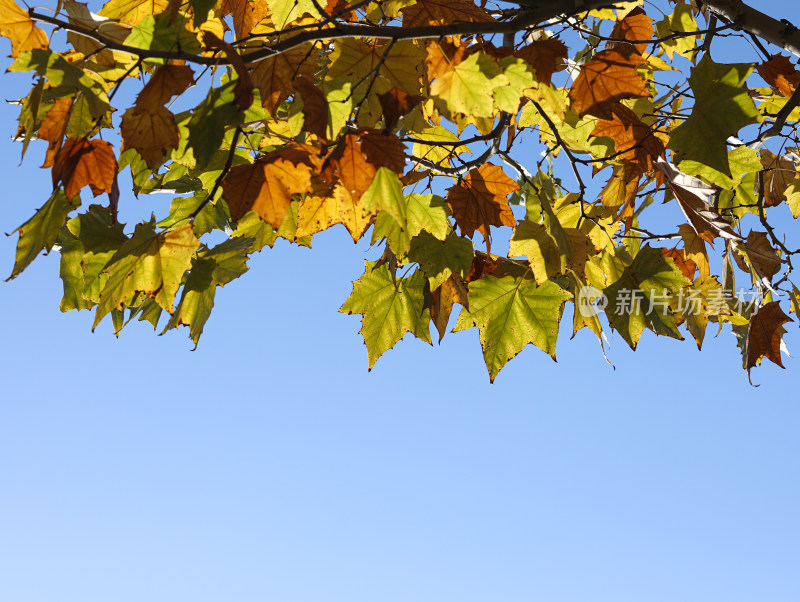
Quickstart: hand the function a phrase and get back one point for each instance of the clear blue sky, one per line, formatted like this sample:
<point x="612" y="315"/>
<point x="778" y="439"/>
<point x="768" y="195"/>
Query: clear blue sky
<point x="269" y="465"/>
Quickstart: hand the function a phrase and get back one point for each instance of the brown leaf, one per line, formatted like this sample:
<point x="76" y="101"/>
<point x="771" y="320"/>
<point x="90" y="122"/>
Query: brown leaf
<point x="151" y="133"/>
<point x="632" y="137"/>
<point x="442" y="12"/>
<point x="54" y="127"/>
<point x="762" y="256"/>
<point x="450" y="292"/>
<point x="82" y="163"/>
<point x="275" y="76"/>
<point x="610" y="76"/>
<point x="764" y="335"/>
<point x="395" y="103"/>
<point x="166" y="82"/>
<point x="17" y="26"/>
<point x="779" y="72"/>
<point x="243" y="91"/>
<point x="545" y="56"/>
<point x="383" y="150"/>
<point x="480" y="200"/>
<point x="482" y="265"/>
<point x="315" y="107"/>
<point x="359" y="154"/>
<point x="687" y="266"/>
<point x="634" y="27"/>
<point x="246" y="14"/>
<point x="779" y="174"/>
<point x="335" y="7"/>
<point x="266" y="186"/>
<point x="694" y="249"/>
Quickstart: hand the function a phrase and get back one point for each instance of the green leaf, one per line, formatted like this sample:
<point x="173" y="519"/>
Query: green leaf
<point x="200" y="9"/>
<point x="253" y="227"/>
<point x="640" y="298"/>
<point x="165" y="33"/>
<point x="40" y="232"/>
<point x="149" y="262"/>
<point x="209" y="121"/>
<point x="390" y="307"/>
<point x="742" y="161"/>
<point x="71" y="272"/>
<point x="533" y="241"/>
<point x="469" y="86"/>
<point x="680" y="21"/>
<point x="197" y="299"/>
<point x="510" y="313"/>
<point x="721" y="108"/>
<point x="441" y="259"/>
<point x="520" y="78"/>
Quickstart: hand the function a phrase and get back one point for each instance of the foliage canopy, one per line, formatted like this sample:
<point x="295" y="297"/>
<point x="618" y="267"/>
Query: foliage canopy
<point x="505" y="156"/>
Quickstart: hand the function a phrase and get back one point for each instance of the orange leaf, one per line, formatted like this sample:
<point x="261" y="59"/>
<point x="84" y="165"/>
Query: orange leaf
<point x="779" y="72"/>
<point x="443" y="56"/>
<point x="166" y="82"/>
<point x="315" y="107"/>
<point x="635" y="26"/>
<point x="633" y="139"/>
<point x="764" y="335"/>
<point x="151" y="133"/>
<point x="687" y="266"/>
<point x="442" y="12"/>
<point x="266" y="186"/>
<point x="610" y="76"/>
<point x="359" y="155"/>
<point x="763" y="257"/>
<point x="246" y="14"/>
<point x="17" y="26"/>
<point x="82" y="163"/>
<point x="54" y="126"/>
<point x="480" y="200"/>
<point x="545" y="56"/>
<point x="275" y="76"/>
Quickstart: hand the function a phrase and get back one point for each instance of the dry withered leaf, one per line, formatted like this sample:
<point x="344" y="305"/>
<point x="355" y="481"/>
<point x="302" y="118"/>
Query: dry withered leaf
<point x="764" y="335"/>
<point x="762" y="256"/>
<point x="632" y="137"/>
<point x="166" y="82"/>
<point x="544" y="55"/>
<point x="315" y="107"/>
<point x="685" y="265"/>
<point x="480" y="200"/>
<point x="395" y="103"/>
<point x="82" y="163"/>
<point x="442" y="12"/>
<point x="274" y="76"/>
<point x="634" y="29"/>
<point x="779" y="72"/>
<point x="610" y="76"/>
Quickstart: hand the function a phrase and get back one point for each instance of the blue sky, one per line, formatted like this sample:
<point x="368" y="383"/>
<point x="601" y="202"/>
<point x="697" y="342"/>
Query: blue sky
<point x="269" y="465"/>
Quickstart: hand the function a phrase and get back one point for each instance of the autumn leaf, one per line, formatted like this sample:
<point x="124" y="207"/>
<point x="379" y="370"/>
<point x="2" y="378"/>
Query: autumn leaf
<point x="764" y="336"/>
<point x="450" y="292"/>
<point x="761" y="256"/>
<point x="511" y="313"/>
<point x="443" y="12"/>
<point x="246" y="14"/>
<point x="17" y="26"/>
<point x="469" y="86"/>
<point x="534" y="242"/>
<point x="545" y="56"/>
<point x="395" y="103"/>
<point x="779" y="72"/>
<point x="390" y="307"/>
<point x="323" y="209"/>
<point x="480" y="200"/>
<point x="266" y="186"/>
<point x="85" y="163"/>
<point x="132" y="12"/>
<point x="683" y="263"/>
<point x="315" y="108"/>
<point x="274" y="76"/>
<point x="633" y="139"/>
<point x="166" y="82"/>
<point x="635" y="28"/>
<point x="610" y="76"/>
<point x="359" y="155"/>
<point x="151" y="133"/>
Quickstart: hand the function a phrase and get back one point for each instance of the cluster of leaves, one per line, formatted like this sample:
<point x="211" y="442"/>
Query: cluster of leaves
<point x="401" y="120"/>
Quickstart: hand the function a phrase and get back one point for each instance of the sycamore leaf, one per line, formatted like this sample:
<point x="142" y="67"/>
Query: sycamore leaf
<point x="779" y="174"/>
<point x="721" y="108"/>
<point x="151" y="133"/>
<point x="274" y="76"/>
<point x="163" y="33"/>
<point x="197" y="299"/>
<point x="266" y="186"/>
<point x="395" y="103"/>
<point x="282" y="12"/>
<point x="760" y="255"/>
<point x="683" y="263"/>
<point x="315" y="107"/>
<point x="360" y="154"/>
<point x="511" y="313"/>
<point x="149" y="262"/>
<point x="780" y="73"/>
<point x="166" y="82"/>
<point x="680" y="21"/>
<point x="635" y="28"/>
<point x="17" y="26"/>
<point x="441" y="259"/>
<point x="40" y="232"/>
<point x="610" y="76"/>
<point x="321" y="210"/>
<point x="442" y="12"/>
<point x="451" y="291"/>
<point x="245" y="14"/>
<point x="639" y="298"/>
<point x="82" y="163"/>
<point x="764" y="335"/>
<point x="481" y="200"/>
<point x="534" y="242"/>
<point x="633" y="139"/>
<point x="132" y="12"/>
<point x="694" y="249"/>
<point x="468" y="87"/>
<point x="390" y="307"/>
<point x="396" y="65"/>
<point x="209" y="120"/>
<point x="545" y="56"/>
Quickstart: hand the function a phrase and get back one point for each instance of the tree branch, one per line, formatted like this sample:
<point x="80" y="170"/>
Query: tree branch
<point x="780" y="33"/>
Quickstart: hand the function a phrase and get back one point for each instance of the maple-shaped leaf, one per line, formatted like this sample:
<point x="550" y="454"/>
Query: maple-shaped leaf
<point x="209" y="120"/>
<point x="441" y="259"/>
<point x="150" y="132"/>
<point x="245" y="14"/>
<point x="545" y="56"/>
<point x="315" y="107"/>
<point x="683" y="263"/>
<point x="469" y="86"/>
<point x="82" y="163"/>
<point x="694" y="249"/>
<point x="274" y="76"/>
<point x="533" y="241"/>
<point x="692" y="195"/>
<point x="779" y="174"/>
<point x="325" y="208"/>
<point x="511" y="313"/>
<point x="17" y="26"/>
<point x="150" y="262"/>
<point x="721" y="108"/>
<point x="764" y="336"/>
<point x="610" y="76"/>
<point x="779" y="72"/>
<point x="639" y="298"/>
<point x="166" y="82"/>
<point x="451" y="291"/>
<point x="360" y="154"/>
<point x="266" y="186"/>
<point x="442" y="12"/>
<point x="480" y="200"/>
<point x="390" y="307"/>
<point x="635" y="28"/>
<point x="395" y="103"/>
<point x="760" y="255"/>
<point x="132" y="12"/>
<point x="633" y="139"/>
<point x="40" y="232"/>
